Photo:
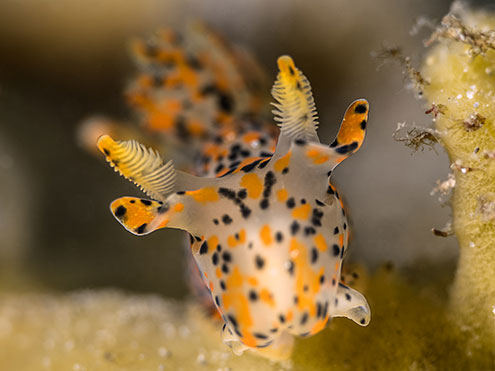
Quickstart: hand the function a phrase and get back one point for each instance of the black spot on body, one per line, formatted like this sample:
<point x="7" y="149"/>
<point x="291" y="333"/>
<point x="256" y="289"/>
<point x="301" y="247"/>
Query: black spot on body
<point x="245" y="211"/>
<point x="304" y="318"/>
<point x="285" y="171"/>
<point x="219" y="168"/>
<point x="204" y="248"/>
<point x="362" y="321"/>
<point x="132" y="201"/>
<point x="363" y="125"/>
<point x="232" y="320"/>
<point x="226" y="192"/>
<point x="250" y="166"/>
<point x="290" y="267"/>
<point x="264" y="203"/>
<point x="314" y="255"/>
<point x="259" y="335"/>
<point x="346" y="148"/>
<point x="294" y="228"/>
<point x="253" y="296"/>
<point x="347" y="296"/>
<point x="214" y="259"/>
<point x="141" y="228"/>
<point x="259" y="261"/>
<point x="336" y="250"/>
<point x="336" y="230"/>
<point x="226" y="102"/>
<point x="281" y="318"/>
<point x="222" y="285"/>
<point x="319" y="310"/>
<point x="279" y="237"/>
<point x="225" y="268"/>
<point x="226" y="219"/>
<point x="360" y="108"/>
<point x="308" y="231"/>
<point x="300" y="142"/>
<point x="227" y="256"/>
<point x="120" y="211"/>
<point x="291" y="203"/>
<point x="263" y="164"/>
<point x="217" y="300"/>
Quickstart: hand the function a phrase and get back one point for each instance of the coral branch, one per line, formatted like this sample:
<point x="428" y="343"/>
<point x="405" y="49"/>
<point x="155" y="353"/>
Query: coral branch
<point x="459" y="69"/>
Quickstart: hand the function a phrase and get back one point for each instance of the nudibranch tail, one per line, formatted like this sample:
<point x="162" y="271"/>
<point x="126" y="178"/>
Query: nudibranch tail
<point x="295" y="107"/>
<point x="351" y="304"/>
<point x="142" y="166"/>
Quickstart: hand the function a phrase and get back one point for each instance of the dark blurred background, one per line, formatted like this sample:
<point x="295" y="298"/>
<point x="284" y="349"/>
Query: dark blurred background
<point x="62" y="61"/>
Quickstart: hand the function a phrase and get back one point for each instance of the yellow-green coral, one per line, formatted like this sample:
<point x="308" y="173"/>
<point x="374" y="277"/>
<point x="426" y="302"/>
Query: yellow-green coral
<point x="108" y="330"/>
<point x="461" y="72"/>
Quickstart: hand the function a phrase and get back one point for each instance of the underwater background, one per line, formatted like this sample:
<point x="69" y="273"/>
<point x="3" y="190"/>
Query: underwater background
<point x="63" y="61"/>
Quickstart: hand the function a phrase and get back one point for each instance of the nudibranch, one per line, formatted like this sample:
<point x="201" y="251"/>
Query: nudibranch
<point x="268" y="230"/>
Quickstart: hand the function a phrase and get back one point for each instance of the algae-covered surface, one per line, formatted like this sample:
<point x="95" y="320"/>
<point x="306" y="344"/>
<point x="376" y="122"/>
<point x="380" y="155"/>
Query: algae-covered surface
<point x="111" y="330"/>
<point x="461" y="72"/>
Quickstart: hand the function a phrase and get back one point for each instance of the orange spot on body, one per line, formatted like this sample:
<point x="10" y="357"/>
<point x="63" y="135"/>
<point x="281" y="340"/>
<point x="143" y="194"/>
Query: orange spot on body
<point x="251" y="137"/>
<point x="282" y="195"/>
<point x="320" y="242"/>
<point x="266" y="297"/>
<point x="203" y="195"/>
<point x="179" y="207"/>
<point x="266" y="235"/>
<point x="235" y="301"/>
<point x="317" y="155"/>
<point x="242" y="235"/>
<point x="253" y="281"/>
<point x="282" y="162"/>
<point x="305" y="277"/>
<point x="320" y="325"/>
<point x="289" y="316"/>
<point x="301" y="212"/>
<point x="212" y="243"/>
<point x="253" y="185"/>
<point x="232" y="241"/>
